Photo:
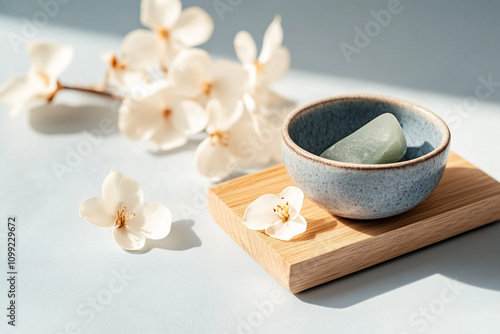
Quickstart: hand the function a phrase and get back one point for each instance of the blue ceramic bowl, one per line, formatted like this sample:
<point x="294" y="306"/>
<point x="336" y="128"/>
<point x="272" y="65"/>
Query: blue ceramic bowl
<point x="363" y="191"/>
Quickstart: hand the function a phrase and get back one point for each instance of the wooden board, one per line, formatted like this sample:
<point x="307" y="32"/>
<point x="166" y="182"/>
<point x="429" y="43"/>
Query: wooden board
<point x="332" y="246"/>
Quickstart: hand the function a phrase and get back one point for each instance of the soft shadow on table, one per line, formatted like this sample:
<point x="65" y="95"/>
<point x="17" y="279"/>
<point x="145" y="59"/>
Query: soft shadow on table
<point x="63" y="119"/>
<point x="314" y="227"/>
<point x="470" y="182"/>
<point x="247" y="171"/>
<point x="181" y="237"/>
<point x="471" y="258"/>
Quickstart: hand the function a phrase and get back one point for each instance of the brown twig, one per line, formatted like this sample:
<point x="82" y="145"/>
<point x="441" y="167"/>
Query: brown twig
<point x="93" y="91"/>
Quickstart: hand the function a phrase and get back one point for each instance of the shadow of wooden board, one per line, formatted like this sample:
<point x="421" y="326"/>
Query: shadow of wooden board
<point x="332" y="247"/>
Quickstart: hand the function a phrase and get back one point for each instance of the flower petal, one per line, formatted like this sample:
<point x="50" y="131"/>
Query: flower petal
<point x="50" y="58"/>
<point x="286" y="231"/>
<point x="138" y="117"/>
<point x="189" y="117"/>
<point x="267" y="100"/>
<point x="260" y="214"/>
<point x="294" y="196"/>
<point x="245" y="145"/>
<point x="170" y="49"/>
<point x="17" y="90"/>
<point x="222" y="116"/>
<point x="146" y="119"/>
<point x="273" y="38"/>
<point x="97" y="211"/>
<point x="268" y="110"/>
<point x="160" y="14"/>
<point x="213" y="160"/>
<point x="121" y="190"/>
<point x="126" y="79"/>
<point x="252" y="74"/>
<point x="140" y="49"/>
<point x="229" y="79"/>
<point x="250" y="103"/>
<point x="254" y="111"/>
<point x="167" y="136"/>
<point x="154" y="221"/>
<point x="272" y="150"/>
<point x="245" y="48"/>
<point x="42" y="85"/>
<point x="194" y="27"/>
<point x="189" y="71"/>
<point x="276" y="67"/>
<point x="128" y="239"/>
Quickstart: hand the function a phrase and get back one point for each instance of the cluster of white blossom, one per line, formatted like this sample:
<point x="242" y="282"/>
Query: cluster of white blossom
<point x="231" y="101"/>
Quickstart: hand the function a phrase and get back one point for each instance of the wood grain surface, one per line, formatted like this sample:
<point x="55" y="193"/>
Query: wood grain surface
<point x="332" y="246"/>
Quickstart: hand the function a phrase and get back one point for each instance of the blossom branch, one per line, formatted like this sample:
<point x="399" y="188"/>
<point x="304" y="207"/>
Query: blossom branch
<point x="183" y="91"/>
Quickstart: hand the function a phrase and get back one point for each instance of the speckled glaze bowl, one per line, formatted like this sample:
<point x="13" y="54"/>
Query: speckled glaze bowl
<point x="363" y="191"/>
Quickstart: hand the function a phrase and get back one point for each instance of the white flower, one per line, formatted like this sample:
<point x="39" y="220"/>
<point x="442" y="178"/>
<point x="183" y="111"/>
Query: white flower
<point x="274" y="59"/>
<point x="267" y="112"/>
<point x="121" y="209"/>
<point x="139" y="52"/>
<point x="174" y="29"/>
<point x="263" y="105"/>
<point x="227" y="146"/>
<point x="277" y="215"/>
<point x="194" y="73"/>
<point x="48" y="61"/>
<point x="164" y="118"/>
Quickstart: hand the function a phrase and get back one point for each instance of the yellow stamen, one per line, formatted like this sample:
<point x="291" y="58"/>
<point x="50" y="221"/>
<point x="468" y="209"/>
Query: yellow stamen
<point x="283" y="211"/>
<point x="258" y="66"/>
<point x="115" y="64"/>
<point x="219" y="136"/>
<point x="122" y="217"/>
<point x="167" y="113"/>
<point x="206" y="87"/>
<point x="164" y="33"/>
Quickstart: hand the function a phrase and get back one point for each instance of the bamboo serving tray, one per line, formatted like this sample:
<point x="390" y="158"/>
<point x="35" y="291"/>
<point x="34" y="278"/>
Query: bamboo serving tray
<point x="332" y="247"/>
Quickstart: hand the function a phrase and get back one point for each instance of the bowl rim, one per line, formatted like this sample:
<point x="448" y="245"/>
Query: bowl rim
<point x="441" y="125"/>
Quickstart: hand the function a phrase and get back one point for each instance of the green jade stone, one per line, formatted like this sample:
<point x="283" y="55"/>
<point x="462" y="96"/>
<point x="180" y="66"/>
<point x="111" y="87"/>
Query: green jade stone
<point x="380" y="141"/>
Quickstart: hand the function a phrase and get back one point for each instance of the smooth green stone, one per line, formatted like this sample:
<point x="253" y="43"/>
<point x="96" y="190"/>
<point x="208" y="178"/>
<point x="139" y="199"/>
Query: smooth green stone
<point x="380" y="141"/>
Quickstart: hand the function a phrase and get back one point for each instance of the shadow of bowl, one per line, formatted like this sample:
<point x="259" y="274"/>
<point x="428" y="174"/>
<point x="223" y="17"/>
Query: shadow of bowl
<point x="471" y="259"/>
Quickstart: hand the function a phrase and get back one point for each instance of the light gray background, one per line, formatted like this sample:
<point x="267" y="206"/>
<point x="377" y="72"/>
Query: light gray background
<point x="440" y="46"/>
<point x="198" y="280"/>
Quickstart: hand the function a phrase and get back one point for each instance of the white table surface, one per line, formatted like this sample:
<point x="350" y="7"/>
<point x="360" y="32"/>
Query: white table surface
<point x="198" y="280"/>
